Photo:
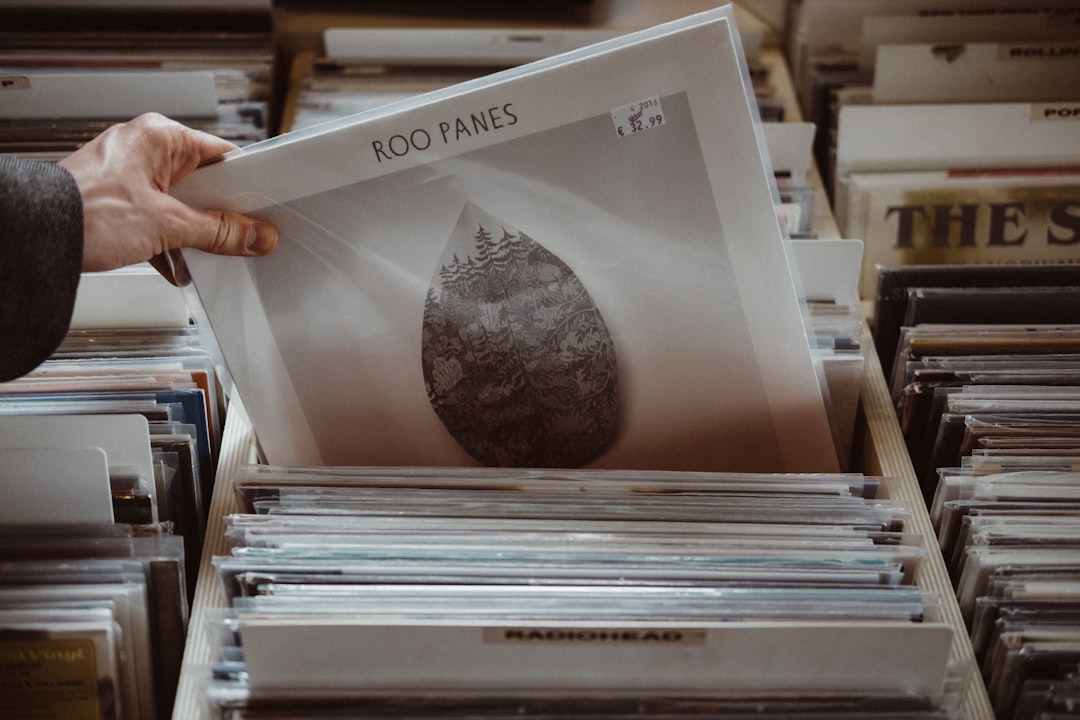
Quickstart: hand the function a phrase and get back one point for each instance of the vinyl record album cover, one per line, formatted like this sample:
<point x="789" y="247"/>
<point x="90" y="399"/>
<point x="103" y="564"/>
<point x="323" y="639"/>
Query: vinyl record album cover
<point x="573" y="263"/>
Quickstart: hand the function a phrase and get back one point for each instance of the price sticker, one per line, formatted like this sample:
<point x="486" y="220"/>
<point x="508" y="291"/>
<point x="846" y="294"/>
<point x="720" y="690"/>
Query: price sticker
<point x="637" y="117"/>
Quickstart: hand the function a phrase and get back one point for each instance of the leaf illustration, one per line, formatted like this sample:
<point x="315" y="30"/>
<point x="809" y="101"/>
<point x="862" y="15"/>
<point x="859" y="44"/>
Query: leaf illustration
<point x="517" y="360"/>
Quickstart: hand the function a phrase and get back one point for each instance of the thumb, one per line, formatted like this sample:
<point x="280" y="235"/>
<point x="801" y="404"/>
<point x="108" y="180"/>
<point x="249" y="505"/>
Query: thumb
<point x="223" y="232"/>
<point x="220" y="232"/>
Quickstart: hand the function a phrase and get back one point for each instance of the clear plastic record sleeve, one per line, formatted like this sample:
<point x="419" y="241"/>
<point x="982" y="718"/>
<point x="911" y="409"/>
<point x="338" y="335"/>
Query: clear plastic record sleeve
<point x="571" y="263"/>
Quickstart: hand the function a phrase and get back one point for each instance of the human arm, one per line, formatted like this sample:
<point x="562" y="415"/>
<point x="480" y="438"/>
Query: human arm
<point x="41" y="233"/>
<point x="104" y="206"/>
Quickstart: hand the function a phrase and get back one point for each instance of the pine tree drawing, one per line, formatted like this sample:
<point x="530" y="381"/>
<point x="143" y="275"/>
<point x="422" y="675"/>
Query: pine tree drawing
<point x="518" y="363"/>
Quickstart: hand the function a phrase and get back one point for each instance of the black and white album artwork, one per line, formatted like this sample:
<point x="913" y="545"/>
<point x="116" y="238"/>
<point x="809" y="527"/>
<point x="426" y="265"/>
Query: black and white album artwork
<point x="560" y="299"/>
<point x="518" y="362"/>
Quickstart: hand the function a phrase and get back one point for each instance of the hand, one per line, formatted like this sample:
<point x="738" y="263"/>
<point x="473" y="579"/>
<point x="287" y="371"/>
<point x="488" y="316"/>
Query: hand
<point x="124" y="176"/>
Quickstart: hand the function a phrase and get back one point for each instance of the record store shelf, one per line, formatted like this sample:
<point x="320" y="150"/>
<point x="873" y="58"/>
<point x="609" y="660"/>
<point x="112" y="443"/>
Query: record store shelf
<point x="880" y="451"/>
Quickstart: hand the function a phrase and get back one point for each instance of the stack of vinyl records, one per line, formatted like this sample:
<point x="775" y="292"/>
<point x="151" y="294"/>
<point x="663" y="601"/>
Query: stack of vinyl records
<point x="362" y="592"/>
<point x="107" y="458"/>
<point x="70" y="68"/>
<point x="153" y="393"/>
<point x="92" y="620"/>
<point x="986" y="379"/>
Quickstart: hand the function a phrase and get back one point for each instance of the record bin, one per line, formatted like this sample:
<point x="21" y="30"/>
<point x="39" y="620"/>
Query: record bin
<point x="879" y="450"/>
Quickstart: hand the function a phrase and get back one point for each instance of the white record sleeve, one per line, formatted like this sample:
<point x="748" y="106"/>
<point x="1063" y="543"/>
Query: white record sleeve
<point x="637" y="170"/>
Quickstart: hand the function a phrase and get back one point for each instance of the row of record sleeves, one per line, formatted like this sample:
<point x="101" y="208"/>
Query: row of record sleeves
<point x="70" y="70"/>
<point x="985" y="376"/>
<point x="949" y="144"/>
<point x="109" y="449"/>
<point x="948" y="130"/>
<point x="108" y="453"/>
<point x="368" y="592"/>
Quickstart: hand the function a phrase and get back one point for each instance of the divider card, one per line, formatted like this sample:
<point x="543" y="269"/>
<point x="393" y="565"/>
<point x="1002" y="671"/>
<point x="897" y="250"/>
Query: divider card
<point x="55" y="486"/>
<point x="356" y="656"/>
<point x="50" y="94"/>
<point x="977" y="72"/>
<point x="574" y="262"/>
<point x="125" y="440"/>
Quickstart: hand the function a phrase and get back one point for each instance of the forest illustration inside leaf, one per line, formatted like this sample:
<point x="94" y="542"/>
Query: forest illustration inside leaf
<point x="517" y="360"/>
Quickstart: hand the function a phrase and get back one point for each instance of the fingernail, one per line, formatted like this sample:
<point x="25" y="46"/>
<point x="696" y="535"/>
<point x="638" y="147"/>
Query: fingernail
<point x="262" y="238"/>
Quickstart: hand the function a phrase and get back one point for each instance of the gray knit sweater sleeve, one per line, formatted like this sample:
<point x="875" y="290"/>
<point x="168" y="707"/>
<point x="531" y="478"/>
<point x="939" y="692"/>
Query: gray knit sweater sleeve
<point x="41" y="246"/>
